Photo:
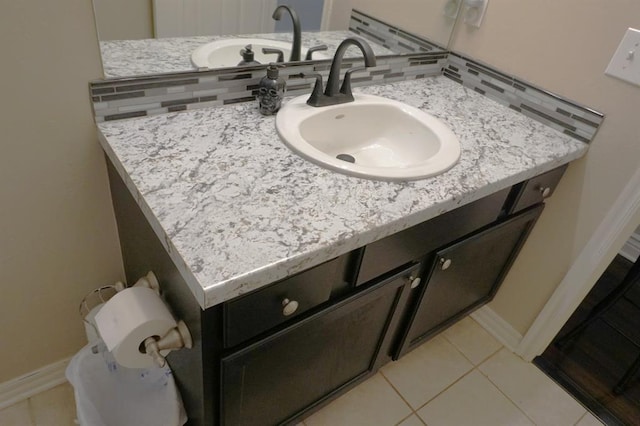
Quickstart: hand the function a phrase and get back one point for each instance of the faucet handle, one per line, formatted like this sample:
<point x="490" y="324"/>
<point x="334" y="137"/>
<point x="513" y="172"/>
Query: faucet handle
<point x="314" y="49"/>
<point x="346" y="82"/>
<point x="317" y="94"/>
<point x="269" y="50"/>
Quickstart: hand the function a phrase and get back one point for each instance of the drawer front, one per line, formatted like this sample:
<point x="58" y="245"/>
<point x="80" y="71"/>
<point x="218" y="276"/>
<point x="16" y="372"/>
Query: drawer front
<point x="259" y="311"/>
<point x="409" y="245"/>
<point x="536" y="189"/>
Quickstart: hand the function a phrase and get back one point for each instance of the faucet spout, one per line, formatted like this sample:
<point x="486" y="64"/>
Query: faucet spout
<point x="334" y="74"/>
<point x="297" y="34"/>
<point x="331" y="95"/>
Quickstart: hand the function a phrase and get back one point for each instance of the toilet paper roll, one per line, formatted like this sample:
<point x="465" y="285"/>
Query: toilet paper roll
<point x="127" y="319"/>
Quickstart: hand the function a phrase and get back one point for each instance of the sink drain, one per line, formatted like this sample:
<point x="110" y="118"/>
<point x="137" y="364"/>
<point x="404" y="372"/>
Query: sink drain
<point x="346" y="157"/>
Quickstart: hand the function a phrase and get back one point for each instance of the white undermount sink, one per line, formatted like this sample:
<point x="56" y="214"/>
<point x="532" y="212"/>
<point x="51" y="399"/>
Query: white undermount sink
<point x="372" y="137"/>
<point x="226" y="53"/>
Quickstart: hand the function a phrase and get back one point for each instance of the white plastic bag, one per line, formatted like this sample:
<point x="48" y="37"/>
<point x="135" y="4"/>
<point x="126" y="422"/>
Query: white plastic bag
<point x="110" y="395"/>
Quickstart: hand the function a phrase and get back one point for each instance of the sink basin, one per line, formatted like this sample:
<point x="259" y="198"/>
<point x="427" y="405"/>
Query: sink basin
<point x="226" y="53"/>
<point x="372" y="137"/>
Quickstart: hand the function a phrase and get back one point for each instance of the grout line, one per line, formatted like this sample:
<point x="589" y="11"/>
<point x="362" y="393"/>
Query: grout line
<point x="492" y="354"/>
<point x="445" y="389"/>
<point x="460" y="350"/>
<point x="396" y="390"/>
<point x="405" y="418"/>
<point x="413" y="412"/>
<point x="495" y="385"/>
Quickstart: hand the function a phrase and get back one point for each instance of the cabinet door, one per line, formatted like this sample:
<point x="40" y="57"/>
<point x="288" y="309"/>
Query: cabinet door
<point x="278" y="378"/>
<point x="464" y="276"/>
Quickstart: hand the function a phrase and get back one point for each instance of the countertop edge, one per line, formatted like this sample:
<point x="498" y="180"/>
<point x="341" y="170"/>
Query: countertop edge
<point x="196" y="289"/>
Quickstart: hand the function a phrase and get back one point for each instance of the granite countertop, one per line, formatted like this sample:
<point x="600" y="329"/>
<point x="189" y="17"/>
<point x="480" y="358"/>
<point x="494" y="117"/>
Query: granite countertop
<point x="126" y="58"/>
<point x="236" y="209"/>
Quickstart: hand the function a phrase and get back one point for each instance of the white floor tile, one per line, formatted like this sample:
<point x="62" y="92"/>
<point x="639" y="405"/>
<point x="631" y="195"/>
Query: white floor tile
<point x="373" y="402"/>
<point x="16" y="415"/>
<point x="412" y="421"/>
<point x="537" y="395"/>
<point x="472" y="340"/>
<point x="426" y="371"/>
<point x="589" y="420"/>
<point x="472" y="401"/>
<point x="55" y="407"/>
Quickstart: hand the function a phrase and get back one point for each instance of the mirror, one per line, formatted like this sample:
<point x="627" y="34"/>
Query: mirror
<point x="148" y="37"/>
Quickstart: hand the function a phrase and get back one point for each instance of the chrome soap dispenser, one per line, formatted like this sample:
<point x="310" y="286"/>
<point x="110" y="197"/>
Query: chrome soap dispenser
<point x="271" y="91"/>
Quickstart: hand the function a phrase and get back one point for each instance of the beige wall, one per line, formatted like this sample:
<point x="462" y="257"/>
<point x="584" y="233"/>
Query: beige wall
<point x="124" y="19"/>
<point x="563" y="46"/>
<point x="57" y="232"/>
<point x="425" y="18"/>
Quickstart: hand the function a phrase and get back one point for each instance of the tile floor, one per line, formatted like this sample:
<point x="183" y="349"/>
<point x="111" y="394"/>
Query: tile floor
<point x="461" y="377"/>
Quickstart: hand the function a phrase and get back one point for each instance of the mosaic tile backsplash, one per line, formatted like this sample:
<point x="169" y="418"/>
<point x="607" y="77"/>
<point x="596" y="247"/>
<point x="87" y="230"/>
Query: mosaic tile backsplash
<point x="144" y="96"/>
<point x="574" y="120"/>
<point x="389" y="36"/>
<point x="138" y="97"/>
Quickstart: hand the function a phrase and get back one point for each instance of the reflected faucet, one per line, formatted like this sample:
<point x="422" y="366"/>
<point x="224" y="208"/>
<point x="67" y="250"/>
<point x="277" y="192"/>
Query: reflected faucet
<point x="297" y="36"/>
<point x="331" y="95"/>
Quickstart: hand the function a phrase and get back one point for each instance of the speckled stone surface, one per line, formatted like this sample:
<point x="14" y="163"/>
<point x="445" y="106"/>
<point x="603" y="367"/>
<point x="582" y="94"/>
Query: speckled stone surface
<point x="237" y="210"/>
<point x="126" y="58"/>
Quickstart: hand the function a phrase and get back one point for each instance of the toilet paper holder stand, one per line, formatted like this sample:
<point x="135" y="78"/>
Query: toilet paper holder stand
<point x="156" y="347"/>
<point x="177" y="338"/>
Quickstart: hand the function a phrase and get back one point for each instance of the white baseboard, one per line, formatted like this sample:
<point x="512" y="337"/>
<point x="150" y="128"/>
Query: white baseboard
<point x="497" y="327"/>
<point x="30" y="384"/>
<point x="631" y="248"/>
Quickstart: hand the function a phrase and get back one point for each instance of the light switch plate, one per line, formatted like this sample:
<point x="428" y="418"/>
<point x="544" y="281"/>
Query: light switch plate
<point x="625" y="63"/>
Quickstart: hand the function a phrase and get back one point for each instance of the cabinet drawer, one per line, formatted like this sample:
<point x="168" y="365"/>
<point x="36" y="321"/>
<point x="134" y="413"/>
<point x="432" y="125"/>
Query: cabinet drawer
<point x="257" y="312"/>
<point x="536" y="189"/>
<point x="411" y="244"/>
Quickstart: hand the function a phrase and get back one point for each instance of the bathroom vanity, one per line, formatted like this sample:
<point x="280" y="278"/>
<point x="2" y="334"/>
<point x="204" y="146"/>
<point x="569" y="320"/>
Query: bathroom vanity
<point x="297" y="282"/>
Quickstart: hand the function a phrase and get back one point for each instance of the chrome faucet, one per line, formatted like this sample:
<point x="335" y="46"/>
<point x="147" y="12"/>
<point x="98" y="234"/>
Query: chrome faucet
<point x="331" y="95"/>
<point x="297" y="36"/>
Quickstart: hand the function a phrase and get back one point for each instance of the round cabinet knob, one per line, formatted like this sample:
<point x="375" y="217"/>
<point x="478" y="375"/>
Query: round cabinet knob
<point x="289" y="307"/>
<point x="545" y="191"/>
<point x="445" y="263"/>
<point x="415" y="282"/>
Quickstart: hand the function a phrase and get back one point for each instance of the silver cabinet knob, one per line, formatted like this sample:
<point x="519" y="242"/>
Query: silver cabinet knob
<point x="289" y="307"/>
<point x="445" y="263"/>
<point x="415" y="281"/>
<point x="545" y="191"/>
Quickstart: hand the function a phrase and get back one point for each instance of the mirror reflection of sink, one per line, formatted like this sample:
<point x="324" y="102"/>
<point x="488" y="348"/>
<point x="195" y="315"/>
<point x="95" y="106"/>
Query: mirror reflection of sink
<point x="372" y="137"/>
<point x="226" y="53"/>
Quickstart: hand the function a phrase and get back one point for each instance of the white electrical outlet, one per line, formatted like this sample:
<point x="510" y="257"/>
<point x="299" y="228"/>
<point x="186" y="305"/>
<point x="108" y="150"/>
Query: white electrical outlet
<point x="474" y="11"/>
<point x="625" y="63"/>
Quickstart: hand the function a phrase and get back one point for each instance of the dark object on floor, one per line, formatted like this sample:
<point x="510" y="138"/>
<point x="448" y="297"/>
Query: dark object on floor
<point x="628" y="282"/>
<point x="600" y="344"/>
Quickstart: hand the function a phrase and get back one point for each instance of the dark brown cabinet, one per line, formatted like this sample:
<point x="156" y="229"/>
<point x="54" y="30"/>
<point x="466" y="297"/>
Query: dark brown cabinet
<point x="276" y="379"/>
<point x="465" y="275"/>
<point x="259" y="360"/>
